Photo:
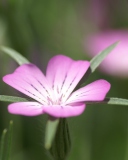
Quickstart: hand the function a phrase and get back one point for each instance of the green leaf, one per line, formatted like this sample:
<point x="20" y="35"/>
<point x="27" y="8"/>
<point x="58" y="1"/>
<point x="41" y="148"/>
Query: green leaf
<point x="117" y="101"/>
<point x="112" y="101"/>
<point x="15" y="55"/>
<point x="96" y="61"/>
<point x="50" y="132"/>
<point x="2" y="145"/>
<point x="12" y="99"/>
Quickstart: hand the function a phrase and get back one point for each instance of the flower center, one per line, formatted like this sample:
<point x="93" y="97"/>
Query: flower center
<point x="56" y="101"/>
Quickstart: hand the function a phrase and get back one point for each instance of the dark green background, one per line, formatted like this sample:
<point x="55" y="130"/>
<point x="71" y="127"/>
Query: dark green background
<point x="39" y="30"/>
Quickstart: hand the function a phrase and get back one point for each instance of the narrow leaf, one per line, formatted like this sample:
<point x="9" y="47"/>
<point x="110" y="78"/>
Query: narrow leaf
<point x="12" y="99"/>
<point x="112" y="101"/>
<point x="8" y="149"/>
<point x="50" y="132"/>
<point x="15" y="55"/>
<point x="2" y="144"/>
<point x="96" y="61"/>
<point x="117" y="101"/>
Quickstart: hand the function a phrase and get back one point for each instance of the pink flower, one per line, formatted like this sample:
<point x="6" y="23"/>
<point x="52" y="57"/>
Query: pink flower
<point x="116" y="63"/>
<point x="53" y="94"/>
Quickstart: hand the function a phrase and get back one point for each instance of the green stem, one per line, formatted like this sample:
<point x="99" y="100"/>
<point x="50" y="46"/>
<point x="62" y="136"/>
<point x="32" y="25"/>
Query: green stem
<point x="50" y="132"/>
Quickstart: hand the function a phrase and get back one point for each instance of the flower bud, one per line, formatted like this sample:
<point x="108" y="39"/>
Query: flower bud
<point x="62" y="143"/>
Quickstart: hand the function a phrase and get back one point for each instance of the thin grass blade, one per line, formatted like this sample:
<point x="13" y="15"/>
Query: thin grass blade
<point x="14" y="54"/>
<point x="96" y="61"/>
<point x="12" y="99"/>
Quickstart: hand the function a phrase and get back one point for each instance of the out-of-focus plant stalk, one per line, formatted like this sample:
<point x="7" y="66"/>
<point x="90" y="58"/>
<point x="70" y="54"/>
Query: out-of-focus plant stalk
<point x="2" y="144"/>
<point x="9" y="141"/>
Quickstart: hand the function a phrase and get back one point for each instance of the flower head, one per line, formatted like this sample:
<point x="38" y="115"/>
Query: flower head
<point x="53" y="93"/>
<point x="116" y="63"/>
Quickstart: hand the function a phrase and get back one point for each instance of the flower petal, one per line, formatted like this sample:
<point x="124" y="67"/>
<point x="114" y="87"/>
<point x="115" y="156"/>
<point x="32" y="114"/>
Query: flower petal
<point x="74" y="75"/>
<point x="60" y="111"/>
<point x="64" y="74"/>
<point x="57" y="70"/>
<point x="26" y="108"/>
<point x="95" y="91"/>
<point x="29" y="80"/>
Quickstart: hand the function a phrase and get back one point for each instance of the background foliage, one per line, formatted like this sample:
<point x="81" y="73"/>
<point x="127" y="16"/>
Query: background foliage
<point x="40" y="29"/>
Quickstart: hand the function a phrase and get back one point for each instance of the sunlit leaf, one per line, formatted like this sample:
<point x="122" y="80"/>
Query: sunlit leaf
<point x="117" y="101"/>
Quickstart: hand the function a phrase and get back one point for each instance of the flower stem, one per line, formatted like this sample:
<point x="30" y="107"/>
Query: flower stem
<point x="50" y="132"/>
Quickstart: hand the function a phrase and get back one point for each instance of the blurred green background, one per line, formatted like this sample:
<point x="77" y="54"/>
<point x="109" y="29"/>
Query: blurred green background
<point x="41" y="29"/>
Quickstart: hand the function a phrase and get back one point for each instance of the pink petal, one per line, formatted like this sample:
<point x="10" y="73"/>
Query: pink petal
<point x="57" y="70"/>
<point x="74" y="75"/>
<point x="29" y="80"/>
<point x="95" y="91"/>
<point x="26" y="108"/>
<point x="60" y="111"/>
<point x="64" y="74"/>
